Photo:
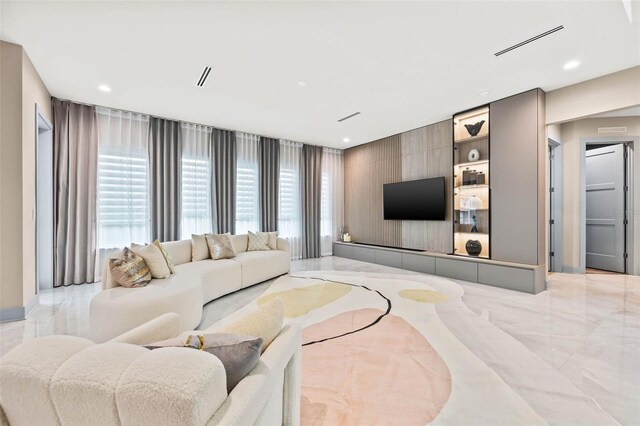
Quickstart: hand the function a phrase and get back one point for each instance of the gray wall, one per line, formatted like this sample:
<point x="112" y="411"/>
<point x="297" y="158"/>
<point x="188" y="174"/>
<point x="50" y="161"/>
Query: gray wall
<point x="517" y="173"/>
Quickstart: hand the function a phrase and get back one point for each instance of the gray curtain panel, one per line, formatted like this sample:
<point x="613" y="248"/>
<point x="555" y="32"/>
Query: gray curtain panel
<point x="311" y="187"/>
<point x="269" y="167"/>
<point x="165" y="156"/>
<point x="223" y="185"/>
<point x="75" y="139"/>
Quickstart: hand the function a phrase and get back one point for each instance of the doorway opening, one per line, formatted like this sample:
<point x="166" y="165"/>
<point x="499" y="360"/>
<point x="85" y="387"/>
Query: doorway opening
<point x="606" y="195"/>
<point x="554" y="178"/>
<point x="44" y="203"/>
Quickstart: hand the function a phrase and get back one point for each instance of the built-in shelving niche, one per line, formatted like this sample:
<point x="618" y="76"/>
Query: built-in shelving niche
<point x="472" y="198"/>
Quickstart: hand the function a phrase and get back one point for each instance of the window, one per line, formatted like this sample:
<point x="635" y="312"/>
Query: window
<point x="123" y="179"/>
<point x="247" y="184"/>
<point x="331" y="199"/>
<point x="289" y="197"/>
<point x="195" y="215"/>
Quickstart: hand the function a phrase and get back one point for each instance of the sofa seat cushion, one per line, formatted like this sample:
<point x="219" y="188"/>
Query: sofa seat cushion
<point x="114" y="310"/>
<point x="217" y="277"/>
<point x="258" y="266"/>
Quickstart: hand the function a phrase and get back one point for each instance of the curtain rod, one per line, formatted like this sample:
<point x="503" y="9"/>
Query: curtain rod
<point x="187" y="122"/>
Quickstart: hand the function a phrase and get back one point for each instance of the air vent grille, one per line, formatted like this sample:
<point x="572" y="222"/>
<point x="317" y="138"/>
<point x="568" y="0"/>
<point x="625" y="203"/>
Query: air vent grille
<point x="348" y="117"/>
<point x="204" y="76"/>
<point x="527" y="41"/>
<point x="612" y="130"/>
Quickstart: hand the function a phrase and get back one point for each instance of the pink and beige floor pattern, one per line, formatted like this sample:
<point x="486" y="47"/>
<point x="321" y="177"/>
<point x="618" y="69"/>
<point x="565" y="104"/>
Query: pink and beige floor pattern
<point x="376" y="351"/>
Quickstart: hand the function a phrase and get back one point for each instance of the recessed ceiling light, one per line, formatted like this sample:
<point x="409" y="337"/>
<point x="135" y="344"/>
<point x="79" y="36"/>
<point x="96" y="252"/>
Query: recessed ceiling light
<point x="302" y="83"/>
<point x="104" y="88"/>
<point x="346" y="140"/>
<point x="484" y="93"/>
<point x="571" y="65"/>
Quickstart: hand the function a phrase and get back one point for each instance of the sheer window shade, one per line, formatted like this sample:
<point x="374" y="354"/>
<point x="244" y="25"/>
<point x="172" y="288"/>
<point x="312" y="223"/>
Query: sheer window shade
<point x="196" y="215"/>
<point x="247" y="184"/>
<point x="332" y="199"/>
<point x="123" y="178"/>
<point x="290" y="209"/>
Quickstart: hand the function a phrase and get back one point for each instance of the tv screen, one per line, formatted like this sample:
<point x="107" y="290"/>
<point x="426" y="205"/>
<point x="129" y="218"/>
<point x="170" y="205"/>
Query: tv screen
<point x="422" y="199"/>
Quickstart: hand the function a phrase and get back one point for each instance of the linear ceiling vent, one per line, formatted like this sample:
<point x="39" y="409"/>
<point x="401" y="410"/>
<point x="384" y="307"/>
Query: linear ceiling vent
<point x="612" y="130"/>
<point x="204" y="76"/>
<point x="348" y="117"/>
<point x="534" y="38"/>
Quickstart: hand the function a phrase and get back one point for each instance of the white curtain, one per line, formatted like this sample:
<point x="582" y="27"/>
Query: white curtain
<point x="332" y="199"/>
<point x="247" y="183"/>
<point x="289" y="200"/>
<point x="123" y="178"/>
<point x="196" y="180"/>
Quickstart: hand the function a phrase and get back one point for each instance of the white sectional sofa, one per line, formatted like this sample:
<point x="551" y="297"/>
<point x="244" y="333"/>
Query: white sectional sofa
<point x="116" y="309"/>
<point x="70" y="380"/>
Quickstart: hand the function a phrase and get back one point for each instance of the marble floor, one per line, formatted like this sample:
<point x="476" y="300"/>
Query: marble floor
<point x="585" y="327"/>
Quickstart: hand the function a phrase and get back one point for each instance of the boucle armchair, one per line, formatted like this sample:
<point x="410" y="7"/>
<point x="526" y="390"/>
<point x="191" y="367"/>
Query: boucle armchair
<point x="71" y="380"/>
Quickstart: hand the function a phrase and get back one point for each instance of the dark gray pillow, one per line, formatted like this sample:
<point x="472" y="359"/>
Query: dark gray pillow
<point x="239" y="354"/>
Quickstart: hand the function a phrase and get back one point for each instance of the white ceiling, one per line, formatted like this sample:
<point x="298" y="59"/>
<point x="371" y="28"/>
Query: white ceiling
<point x="403" y="65"/>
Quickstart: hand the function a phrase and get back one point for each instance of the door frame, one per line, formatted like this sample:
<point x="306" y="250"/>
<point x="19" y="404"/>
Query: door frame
<point x="555" y="206"/>
<point x="632" y="198"/>
<point x="44" y="125"/>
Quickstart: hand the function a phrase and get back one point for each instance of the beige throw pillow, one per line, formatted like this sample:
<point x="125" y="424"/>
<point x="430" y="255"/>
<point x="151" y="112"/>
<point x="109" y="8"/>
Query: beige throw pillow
<point x="130" y="270"/>
<point x="258" y="241"/>
<point x="266" y="322"/>
<point x="220" y="246"/>
<point x="199" y="248"/>
<point x="153" y="258"/>
<point x="273" y="240"/>
<point x="167" y="256"/>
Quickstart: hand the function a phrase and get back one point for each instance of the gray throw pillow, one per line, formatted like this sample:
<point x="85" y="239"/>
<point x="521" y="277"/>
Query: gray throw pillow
<point x="239" y="354"/>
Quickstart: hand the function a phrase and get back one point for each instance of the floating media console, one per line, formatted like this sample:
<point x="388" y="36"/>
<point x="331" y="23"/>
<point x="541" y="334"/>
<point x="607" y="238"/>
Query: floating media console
<point x="512" y="276"/>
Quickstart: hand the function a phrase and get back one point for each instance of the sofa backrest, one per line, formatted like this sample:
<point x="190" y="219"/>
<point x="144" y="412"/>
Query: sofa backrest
<point x="180" y="251"/>
<point x="240" y="242"/>
<point x="70" y="380"/>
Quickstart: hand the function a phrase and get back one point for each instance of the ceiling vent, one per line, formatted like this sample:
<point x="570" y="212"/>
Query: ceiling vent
<point x="348" y="117"/>
<point x="612" y="130"/>
<point x="534" y="38"/>
<point x="204" y="76"/>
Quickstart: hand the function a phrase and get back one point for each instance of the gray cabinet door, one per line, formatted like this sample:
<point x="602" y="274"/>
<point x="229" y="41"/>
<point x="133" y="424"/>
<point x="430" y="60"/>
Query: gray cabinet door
<point x="516" y="197"/>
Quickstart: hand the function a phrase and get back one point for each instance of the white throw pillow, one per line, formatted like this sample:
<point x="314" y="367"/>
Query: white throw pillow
<point x="199" y="248"/>
<point x="154" y="259"/>
<point x="258" y="241"/>
<point x="273" y="240"/>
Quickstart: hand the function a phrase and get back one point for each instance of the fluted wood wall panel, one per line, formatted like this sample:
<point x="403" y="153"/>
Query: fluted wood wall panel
<point x="428" y="152"/>
<point x="366" y="168"/>
<point x="421" y="153"/>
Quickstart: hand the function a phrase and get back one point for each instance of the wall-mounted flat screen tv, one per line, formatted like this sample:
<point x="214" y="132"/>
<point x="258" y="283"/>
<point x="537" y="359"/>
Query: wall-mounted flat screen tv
<point x="422" y="199"/>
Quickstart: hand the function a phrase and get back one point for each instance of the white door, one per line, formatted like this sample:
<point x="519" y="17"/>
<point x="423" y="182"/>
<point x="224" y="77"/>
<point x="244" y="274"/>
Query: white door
<point x="605" y="204"/>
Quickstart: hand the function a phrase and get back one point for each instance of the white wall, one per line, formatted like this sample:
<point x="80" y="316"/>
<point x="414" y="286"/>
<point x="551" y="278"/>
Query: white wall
<point x="607" y="93"/>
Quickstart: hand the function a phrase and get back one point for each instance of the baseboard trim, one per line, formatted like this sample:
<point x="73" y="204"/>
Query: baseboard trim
<point x="33" y="303"/>
<point x="18" y="313"/>
<point x="572" y="270"/>
<point x="12" y="314"/>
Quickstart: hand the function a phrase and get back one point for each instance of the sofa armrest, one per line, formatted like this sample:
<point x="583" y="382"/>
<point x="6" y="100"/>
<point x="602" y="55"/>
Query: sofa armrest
<point x="278" y="364"/>
<point x="282" y="244"/>
<point x="164" y="327"/>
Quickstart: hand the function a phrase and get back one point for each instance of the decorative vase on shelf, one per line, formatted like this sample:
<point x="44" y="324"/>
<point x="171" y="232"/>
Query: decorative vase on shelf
<point x="473" y="247"/>
<point x="474" y="129"/>
<point x="474" y="155"/>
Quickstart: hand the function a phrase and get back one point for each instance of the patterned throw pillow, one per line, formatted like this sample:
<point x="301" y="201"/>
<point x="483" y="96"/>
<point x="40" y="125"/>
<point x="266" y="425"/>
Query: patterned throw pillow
<point x="167" y="256"/>
<point x="130" y="270"/>
<point x="258" y="241"/>
<point x="220" y="246"/>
